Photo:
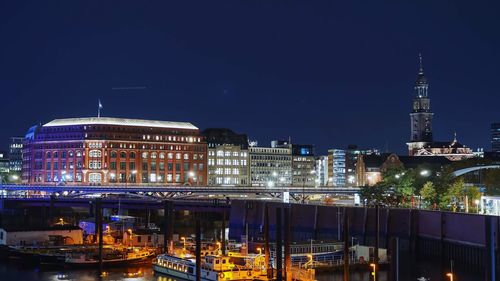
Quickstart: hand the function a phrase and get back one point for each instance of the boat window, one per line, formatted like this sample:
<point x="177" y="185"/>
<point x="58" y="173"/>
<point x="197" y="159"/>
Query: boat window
<point x="224" y="261"/>
<point x="216" y="261"/>
<point x="190" y="270"/>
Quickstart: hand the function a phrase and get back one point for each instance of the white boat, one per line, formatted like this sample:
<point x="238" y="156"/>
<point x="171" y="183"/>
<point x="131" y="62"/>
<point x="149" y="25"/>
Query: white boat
<point x="213" y="268"/>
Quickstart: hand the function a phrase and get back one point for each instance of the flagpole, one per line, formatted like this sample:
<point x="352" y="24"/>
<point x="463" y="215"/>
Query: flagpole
<point x="99" y="110"/>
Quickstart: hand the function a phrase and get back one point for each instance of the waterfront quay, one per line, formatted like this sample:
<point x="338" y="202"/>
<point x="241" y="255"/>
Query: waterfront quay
<point x="311" y="236"/>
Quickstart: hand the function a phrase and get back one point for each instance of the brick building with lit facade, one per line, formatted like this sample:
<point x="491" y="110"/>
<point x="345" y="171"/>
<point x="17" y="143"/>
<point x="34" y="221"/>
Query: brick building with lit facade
<point x="114" y="151"/>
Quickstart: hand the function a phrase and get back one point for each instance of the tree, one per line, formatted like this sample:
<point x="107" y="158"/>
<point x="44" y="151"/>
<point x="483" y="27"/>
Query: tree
<point x="395" y="189"/>
<point x="491" y="179"/>
<point x="453" y="196"/>
<point x="429" y="194"/>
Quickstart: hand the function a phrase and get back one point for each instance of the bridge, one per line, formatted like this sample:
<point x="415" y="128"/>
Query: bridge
<point x="464" y="171"/>
<point x="159" y="191"/>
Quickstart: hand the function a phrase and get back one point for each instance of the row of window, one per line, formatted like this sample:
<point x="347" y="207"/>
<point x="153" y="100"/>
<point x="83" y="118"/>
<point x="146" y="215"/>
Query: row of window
<point x="161" y="166"/>
<point x="227" y="171"/>
<point x="227" y="162"/>
<point x="56" y="166"/>
<point x="230" y="180"/>
<point x="273" y="158"/>
<point x="171" y="138"/>
<point x="226" y="153"/>
<point x="55" y="154"/>
<point x="154" y="155"/>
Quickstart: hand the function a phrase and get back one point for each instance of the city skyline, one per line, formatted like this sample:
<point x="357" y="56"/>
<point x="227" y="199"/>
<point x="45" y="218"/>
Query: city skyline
<point x="325" y="81"/>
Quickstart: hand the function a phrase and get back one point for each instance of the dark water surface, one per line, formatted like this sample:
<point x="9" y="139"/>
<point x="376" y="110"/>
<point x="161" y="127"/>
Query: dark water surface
<point x="410" y="271"/>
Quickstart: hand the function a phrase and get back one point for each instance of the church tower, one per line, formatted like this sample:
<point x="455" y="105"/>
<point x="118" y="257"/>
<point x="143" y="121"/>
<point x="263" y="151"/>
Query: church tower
<point x="421" y="115"/>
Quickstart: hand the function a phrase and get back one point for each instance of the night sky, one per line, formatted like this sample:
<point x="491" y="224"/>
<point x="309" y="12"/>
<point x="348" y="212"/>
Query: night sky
<point x="328" y="73"/>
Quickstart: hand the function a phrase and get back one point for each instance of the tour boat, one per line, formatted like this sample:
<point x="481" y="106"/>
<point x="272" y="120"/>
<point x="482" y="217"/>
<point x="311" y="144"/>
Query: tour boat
<point x="213" y="268"/>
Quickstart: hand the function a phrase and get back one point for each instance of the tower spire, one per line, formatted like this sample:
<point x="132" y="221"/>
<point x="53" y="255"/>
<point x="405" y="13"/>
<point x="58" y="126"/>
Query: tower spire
<point x="421" y="67"/>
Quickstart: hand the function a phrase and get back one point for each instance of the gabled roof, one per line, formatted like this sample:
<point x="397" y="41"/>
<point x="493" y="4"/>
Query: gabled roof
<point x="119" y="122"/>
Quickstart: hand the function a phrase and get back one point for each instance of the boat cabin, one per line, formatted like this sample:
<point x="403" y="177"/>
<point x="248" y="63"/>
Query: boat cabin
<point x="218" y="263"/>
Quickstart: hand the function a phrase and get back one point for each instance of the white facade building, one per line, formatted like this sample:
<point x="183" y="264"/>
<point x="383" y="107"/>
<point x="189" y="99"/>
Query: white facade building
<point x="271" y="166"/>
<point x="228" y="165"/>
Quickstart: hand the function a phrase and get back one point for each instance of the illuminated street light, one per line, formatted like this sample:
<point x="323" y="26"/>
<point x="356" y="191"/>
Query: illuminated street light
<point x="425" y="173"/>
<point x="183" y="243"/>
<point x="450" y="275"/>
<point x="259" y="250"/>
<point x="374" y="266"/>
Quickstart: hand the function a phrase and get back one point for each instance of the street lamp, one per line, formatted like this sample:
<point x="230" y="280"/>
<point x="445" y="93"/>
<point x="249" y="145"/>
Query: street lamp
<point x="259" y="250"/>
<point x="477" y="205"/>
<point x="130" y="239"/>
<point x="450" y="275"/>
<point x="183" y="243"/>
<point x="374" y="266"/>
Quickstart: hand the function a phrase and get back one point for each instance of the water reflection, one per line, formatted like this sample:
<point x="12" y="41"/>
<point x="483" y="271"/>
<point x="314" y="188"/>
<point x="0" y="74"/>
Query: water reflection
<point x="410" y="270"/>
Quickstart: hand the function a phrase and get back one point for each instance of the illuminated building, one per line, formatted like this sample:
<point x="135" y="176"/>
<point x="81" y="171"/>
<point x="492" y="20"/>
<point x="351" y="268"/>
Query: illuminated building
<point x="303" y="171"/>
<point x="342" y="165"/>
<point x="15" y="154"/>
<point x="421" y="139"/>
<point x="321" y="170"/>
<point x="228" y="158"/>
<point x="495" y="137"/>
<point x="271" y="166"/>
<point x="4" y="163"/>
<point x="107" y="151"/>
<point x="336" y="167"/>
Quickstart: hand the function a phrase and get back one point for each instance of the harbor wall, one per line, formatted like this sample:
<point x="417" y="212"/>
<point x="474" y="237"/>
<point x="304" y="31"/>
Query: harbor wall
<point x="469" y="239"/>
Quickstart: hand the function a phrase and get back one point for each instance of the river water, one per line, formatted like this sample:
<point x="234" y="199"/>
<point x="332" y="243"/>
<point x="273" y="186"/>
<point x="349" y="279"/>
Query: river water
<point x="410" y="270"/>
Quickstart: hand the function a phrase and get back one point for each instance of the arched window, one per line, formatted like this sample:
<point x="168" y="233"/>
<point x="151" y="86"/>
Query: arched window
<point x="55" y="154"/>
<point x="153" y="155"/>
<point x="48" y="155"/>
<point x="78" y="153"/>
<point x="96" y="153"/>
<point x="95" y="177"/>
<point x="123" y="154"/>
<point x="162" y="155"/>
<point x="145" y="155"/>
<point x="70" y="153"/>
<point x="113" y="154"/>
<point x="132" y="155"/>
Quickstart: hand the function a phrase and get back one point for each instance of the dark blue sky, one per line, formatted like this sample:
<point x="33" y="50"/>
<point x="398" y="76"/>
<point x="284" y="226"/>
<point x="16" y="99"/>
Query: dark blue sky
<point x="328" y="73"/>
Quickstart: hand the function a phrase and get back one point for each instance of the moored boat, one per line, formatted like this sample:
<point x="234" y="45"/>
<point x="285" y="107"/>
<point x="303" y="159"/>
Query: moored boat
<point x="213" y="268"/>
<point x="114" y="257"/>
